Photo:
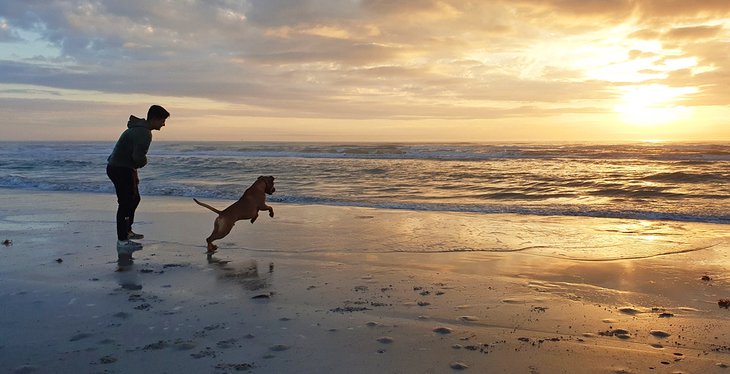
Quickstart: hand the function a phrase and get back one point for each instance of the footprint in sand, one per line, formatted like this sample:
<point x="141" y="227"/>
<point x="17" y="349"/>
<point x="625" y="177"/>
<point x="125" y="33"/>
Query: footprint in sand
<point x="207" y="352"/>
<point x="184" y="345"/>
<point x="442" y="330"/>
<point x="121" y="315"/>
<point x="514" y="301"/>
<point x="160" y="344"/>
<point x="225" y="344"/>
<point x="385" y="340"/>
<point x="78" y="337"/>
<point x="630" y="311"/>
<point x="458" y="365"/>
<point x="279" y="347"/>
<point x="659" y="333"/>
<point x="468" y="318"/>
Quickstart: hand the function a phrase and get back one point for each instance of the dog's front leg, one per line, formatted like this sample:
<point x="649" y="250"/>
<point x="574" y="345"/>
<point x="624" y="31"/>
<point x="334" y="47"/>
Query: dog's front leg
<point x="256" y="215"/>
<point x="270" y="209"/>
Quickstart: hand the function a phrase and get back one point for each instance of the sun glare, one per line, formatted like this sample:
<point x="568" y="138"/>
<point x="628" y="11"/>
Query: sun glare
<point x="651" y="105"/>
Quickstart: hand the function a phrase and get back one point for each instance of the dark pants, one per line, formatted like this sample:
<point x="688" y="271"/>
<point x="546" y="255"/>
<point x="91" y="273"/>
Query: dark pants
<point x="126" y="186"/>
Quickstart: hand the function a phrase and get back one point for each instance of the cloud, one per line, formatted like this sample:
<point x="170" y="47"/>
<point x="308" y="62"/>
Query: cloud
<point x="694" y="32"/>
<point x="661" y="10"/>
<point x="370" y="59"/>
<point x="7" y="34"/>
<point x="599" y="8"/>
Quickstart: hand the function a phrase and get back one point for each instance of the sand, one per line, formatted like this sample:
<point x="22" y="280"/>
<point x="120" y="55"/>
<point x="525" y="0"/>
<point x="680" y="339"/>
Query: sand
<point x="355" y="290"/>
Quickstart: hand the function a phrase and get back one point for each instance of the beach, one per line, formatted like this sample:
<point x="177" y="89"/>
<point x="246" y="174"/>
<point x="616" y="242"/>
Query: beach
<point x="347" y="289"/>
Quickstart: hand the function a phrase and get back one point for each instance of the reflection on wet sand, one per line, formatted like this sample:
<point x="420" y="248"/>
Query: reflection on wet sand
<point x="126" y="275"/>
<point x="245" y="273"/>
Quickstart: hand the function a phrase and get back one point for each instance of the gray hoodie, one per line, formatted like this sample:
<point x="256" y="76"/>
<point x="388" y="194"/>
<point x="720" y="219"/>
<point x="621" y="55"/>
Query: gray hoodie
<point x="131" y="148"/>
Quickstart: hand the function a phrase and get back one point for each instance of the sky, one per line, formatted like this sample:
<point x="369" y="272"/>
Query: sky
<point x="368" y="70"/>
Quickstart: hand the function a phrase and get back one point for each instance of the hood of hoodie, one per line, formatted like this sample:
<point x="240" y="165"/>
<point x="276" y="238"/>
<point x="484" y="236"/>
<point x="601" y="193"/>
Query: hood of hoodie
<point x="136" y="122"/>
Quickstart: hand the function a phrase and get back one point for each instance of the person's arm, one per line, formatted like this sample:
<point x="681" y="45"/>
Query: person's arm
<point x="139" y="150"/>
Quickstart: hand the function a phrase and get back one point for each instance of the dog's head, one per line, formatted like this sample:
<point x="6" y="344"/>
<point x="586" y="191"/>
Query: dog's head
<point x="269" y="183"/>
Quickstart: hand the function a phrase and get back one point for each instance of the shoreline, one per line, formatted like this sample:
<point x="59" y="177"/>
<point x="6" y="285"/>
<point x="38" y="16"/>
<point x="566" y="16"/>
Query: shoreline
<point x="344" y="289"/>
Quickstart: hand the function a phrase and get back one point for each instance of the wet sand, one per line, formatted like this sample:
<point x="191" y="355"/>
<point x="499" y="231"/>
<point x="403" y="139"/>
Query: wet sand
<point x="341" y="289"/>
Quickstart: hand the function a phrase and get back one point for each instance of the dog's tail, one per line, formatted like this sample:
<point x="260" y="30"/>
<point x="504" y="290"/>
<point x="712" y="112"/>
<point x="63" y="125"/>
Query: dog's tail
<point x="207" y="206"/>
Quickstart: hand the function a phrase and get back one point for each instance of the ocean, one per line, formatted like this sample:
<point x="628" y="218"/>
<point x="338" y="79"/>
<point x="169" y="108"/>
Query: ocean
<point x="655" y="181"/>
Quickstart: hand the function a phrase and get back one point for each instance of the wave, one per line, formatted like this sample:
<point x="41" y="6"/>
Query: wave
<point x="692" y="153"/>
<point x="637" y="193"/>
<point x="686" y="177"/>
<point x="622" y="181"/>
<point x="566" y="210"/>
<point x="455" y="152"/>
<point x="231" y="192"/>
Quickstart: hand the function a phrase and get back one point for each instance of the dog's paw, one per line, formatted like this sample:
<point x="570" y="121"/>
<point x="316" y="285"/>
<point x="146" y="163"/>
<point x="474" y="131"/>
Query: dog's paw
<point x="271" y="213"/>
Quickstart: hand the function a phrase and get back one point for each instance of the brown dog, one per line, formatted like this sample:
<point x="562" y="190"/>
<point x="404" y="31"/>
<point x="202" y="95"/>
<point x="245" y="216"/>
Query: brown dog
<point x="247" y="207"/>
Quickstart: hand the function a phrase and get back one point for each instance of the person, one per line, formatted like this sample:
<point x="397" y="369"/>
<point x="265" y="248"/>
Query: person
<point x="130" y="154"/>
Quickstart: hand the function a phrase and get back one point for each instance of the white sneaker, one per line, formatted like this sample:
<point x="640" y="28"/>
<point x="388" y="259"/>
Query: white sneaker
<point x="126" y="247"/>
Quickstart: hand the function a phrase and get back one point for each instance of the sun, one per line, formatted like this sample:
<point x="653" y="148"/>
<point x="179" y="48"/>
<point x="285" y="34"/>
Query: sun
<point x="652" y="105"/>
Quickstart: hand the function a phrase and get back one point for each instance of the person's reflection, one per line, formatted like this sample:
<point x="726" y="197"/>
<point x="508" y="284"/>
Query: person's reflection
<point x="245" y="273"/>
<point x="127" y="278"/>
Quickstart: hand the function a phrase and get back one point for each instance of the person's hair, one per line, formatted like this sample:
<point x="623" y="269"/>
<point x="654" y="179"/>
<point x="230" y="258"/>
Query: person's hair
<point x="157" y="112"/>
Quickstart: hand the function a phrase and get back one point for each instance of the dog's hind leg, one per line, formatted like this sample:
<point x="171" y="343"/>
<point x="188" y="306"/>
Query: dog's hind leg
<point x="221" y="228"/>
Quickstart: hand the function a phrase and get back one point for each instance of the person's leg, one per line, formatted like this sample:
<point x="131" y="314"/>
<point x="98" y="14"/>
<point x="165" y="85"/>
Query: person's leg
<point x="124" y="188"/>
<point x="135" y="199"/>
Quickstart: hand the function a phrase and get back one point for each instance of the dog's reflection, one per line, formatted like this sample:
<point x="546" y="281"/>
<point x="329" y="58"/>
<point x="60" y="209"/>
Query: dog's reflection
<point x="246" y="273"/>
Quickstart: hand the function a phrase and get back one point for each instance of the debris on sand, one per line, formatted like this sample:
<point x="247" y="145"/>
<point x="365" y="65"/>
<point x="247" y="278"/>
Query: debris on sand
<point x="349" y="309"/>
<point x="235" y="367"/>
<point x="619" y="333"/>
<point x="706" y="278"/>
<point x="724" y="303"/>
<point x="7" y="242"/>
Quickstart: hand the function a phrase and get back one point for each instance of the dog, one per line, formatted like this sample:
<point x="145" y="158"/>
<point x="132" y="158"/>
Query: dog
<point x="247" y="207"/>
